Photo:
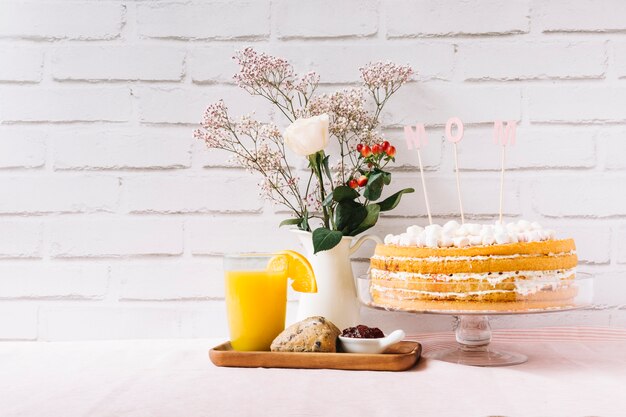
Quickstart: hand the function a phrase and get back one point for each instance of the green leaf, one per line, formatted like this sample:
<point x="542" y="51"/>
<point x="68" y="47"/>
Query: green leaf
<point x="386" y="177"/>
<point x="348" y="215"/>
<point x="326" y="168"/>
<point x="343" y="193"/>
<point x="373" y="210"/>
<point x="305" y="223"/>
<point x="328" y="200"/>
<point x="392" y="201"/>
<point x="324" y="239"/>
<point x="288" y="222"/>
<point x="374" y="187"/>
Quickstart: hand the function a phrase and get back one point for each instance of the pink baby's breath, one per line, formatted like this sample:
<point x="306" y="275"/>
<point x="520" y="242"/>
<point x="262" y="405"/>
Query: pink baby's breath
<point x="259" y="70"/>
<point x="385" y="75"/>
<point x="259" y="147"/>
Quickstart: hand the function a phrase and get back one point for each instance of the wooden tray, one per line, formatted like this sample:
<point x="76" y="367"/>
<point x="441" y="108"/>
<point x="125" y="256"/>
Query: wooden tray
<point x="399" y="357"/>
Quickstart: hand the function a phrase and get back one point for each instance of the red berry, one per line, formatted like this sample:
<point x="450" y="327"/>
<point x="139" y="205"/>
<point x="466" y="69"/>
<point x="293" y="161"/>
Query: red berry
<point x="359" y="147"/>
<point x="391" y="151"/>
<point x="376" y="149"/>
<point x="369" y="165"/>
<point x="385" y="145"/>
<point x="362" y="181"/>
<point x="353" y="183"/>
<point x="366" y="151"/>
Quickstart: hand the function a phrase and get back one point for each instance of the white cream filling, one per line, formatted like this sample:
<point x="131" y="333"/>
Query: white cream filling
<point x="395" y="293"/>
<point x="493" y="278"/>
<point x="468" y="258"/>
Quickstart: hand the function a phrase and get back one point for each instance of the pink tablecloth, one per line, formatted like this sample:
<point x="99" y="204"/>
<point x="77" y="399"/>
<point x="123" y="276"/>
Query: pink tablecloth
<point x="571" y="372"/>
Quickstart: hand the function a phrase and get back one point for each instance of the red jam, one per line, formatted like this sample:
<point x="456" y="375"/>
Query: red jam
<point x="363" y="332"/>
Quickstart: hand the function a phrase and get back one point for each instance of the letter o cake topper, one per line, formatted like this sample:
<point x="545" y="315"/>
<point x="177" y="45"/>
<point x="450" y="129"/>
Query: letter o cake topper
<point x="459" y="130"/>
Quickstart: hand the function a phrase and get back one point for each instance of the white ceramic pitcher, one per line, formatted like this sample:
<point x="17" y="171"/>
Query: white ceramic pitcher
<point x="336" y="297"/>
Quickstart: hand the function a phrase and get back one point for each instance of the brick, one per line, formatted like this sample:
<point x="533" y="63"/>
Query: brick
<point x="213" y="19"/>
<point x="480" y="195"/>
<point x="65" y="104"/>
<point x="60" y="20"/>
<point x="608" y="289"/>
<point x="325" y="18"/>
<point x="435" y="103"/>
<point x="114" y="237"/>
<point x="131" y="322"/>
<point x="217" y="235"/>
<point x="619" y="59"/>
<point x="585" y="16"/>
<point x="579" y="196"/>
<point x="511" y="60"/>
<point x="450" y="17"/>
<point x="182" y="105"/>
<point x="429" y="60"/>
<point x="168" y="194"/>
<point x="22" y="147"/>
<point x="121" y="149"/>
<point x="213" y="64"/>
<point x="18" y="322"/>
<point x="167" y="281"/>
<point x="20" y="64"/>
<point x="620" y="236"/>
<point x="136" y="62"/>
<point x="23" y="239"/>
<point x="534" y="148"/>
<point x="59" y="194"/>
<point x="207" y="157"/>
<point x="554" y="104"/>
<point x="593" y="243"/>
<point x="53" y="281"/>
<point x="614" y="144"/>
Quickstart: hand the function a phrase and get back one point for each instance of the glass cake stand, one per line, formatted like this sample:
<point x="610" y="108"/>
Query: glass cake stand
<point x="473" y="331"/>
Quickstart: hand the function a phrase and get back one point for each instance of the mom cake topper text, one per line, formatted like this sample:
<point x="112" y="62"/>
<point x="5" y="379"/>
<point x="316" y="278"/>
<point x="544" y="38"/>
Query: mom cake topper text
<point x="504" y="134"/>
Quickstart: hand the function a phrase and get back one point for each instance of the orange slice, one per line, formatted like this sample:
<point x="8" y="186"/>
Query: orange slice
<point x="298" y="269"/>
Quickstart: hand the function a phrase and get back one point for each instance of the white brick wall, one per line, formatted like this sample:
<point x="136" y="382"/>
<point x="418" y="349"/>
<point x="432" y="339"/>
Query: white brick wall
<point x="113" y="218"/>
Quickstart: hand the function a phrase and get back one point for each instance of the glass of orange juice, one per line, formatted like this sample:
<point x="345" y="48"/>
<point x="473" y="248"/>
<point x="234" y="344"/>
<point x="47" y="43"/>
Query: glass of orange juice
<point x="256" y="299"/>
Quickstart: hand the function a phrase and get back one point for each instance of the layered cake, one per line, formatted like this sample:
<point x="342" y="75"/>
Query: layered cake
<point x="514" y="266"/>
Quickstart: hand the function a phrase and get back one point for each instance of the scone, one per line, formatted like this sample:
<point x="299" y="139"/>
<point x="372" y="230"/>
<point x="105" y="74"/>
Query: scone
<point x="315" y="334"/>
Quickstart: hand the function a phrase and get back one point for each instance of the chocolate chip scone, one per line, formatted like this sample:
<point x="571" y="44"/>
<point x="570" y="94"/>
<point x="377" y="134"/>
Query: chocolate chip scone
<point x="315" y="334"/>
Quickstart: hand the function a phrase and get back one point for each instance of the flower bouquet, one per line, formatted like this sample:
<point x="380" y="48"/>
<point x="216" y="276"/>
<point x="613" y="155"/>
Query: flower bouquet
<point x="335" y="198"/>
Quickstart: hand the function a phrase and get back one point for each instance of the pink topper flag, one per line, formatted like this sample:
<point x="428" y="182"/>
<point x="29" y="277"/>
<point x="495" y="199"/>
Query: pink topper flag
<point x="503" y="136"/>
<point x="459" y="130"/>
<point x="456" y="138"/>
<point x="415" y="138"/>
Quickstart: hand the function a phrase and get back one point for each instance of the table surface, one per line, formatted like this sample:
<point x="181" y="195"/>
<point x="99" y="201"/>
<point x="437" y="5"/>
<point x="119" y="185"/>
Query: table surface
<point x="571" y="372"/>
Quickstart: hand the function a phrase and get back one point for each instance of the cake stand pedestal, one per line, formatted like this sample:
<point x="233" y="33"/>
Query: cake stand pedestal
<point x="473" y="334"/>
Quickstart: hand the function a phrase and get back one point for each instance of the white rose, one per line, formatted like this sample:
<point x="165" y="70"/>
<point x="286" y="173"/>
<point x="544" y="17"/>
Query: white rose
<point x="307" y="136"/>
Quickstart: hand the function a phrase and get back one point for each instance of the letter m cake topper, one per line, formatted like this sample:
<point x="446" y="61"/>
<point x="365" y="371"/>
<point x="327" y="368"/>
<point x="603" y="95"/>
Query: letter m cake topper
<point x="416" y="139"/>
<point x="503" y="135"/>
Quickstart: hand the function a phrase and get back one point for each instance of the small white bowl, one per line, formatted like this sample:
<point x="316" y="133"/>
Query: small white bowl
<point x="379" y="345"/>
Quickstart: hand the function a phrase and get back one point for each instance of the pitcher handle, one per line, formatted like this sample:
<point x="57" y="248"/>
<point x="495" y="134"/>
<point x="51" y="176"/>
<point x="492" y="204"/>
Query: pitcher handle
<point x="362" y="240"/>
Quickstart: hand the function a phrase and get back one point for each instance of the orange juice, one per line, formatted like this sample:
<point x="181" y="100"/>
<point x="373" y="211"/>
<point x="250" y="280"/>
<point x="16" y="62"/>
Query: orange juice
<point x="256" y="302"/>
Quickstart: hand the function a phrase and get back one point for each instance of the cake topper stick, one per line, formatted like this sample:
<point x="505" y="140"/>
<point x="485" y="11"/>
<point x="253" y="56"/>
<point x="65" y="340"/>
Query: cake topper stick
<point x="415" y="138"/>
<point x="503" y="136"/>
<point x="455" y="139"/>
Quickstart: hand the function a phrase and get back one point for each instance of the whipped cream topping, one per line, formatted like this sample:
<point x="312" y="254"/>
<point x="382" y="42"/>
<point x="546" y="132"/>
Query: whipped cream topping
<point x="524" y="278"/>
<point x="453" y="234"/>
